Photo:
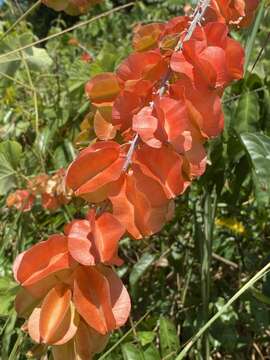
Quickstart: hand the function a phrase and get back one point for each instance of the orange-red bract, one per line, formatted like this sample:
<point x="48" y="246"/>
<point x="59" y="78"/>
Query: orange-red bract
<point x="137" y="75"/>
<point x="163" y="165"/>
<point x="57" y="290"/>
<point x="94" y="293"/>
<point x="104" y="129"/>
<point x="210" y="57"/>
<point x="22" y="200"/>
<point x="146" y="36"/>
<point x="204" y="111"/>
<point x="91" y="174"/>
<point x="238" y="13"/>
<point x="94" y="240"/>
<point x="166" y="122"/>
<point x="140" y="203"/>
<point x="84" y="345"/>
<point x="149" y="66"/>
<point x="102" y="88"/>
<point x="105" y="304"/>
<point x="42" y="260"/>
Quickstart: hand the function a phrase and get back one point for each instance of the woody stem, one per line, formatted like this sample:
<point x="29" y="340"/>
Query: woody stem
<point x="196" y="19"/>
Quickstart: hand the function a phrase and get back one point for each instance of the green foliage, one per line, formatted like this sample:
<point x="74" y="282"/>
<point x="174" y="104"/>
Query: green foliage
<point x="169" y="341"/>
<point x="140" y="268"/>
<point x="10" y="153"/>
<point x="258" y="149"/>
<point x="247" y="112"/>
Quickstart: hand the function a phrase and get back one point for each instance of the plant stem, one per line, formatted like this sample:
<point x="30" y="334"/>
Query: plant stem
<point x="204" y="328"/>
<point x="74" y="27"/>
<point x="209" y="210"/>
<point x="197" y="17"/>
<point x="107" y="353"/>
<point x="252" y="37"/>
<point x="24" y="15"/>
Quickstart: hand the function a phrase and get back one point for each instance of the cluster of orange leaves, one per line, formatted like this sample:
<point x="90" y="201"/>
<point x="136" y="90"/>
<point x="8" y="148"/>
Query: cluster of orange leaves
<point x="152" y="118"/>
<point x="51" y="190"/>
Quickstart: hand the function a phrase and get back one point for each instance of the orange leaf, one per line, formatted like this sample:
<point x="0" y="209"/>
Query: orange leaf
<point x="125" y="106"/>
<point x="149" y="66"/>
<point x="80" y="242"/>
<point x="53" y="311"/>
<point x="120" y="299"/>
<point x="163" y="165"/>
<point x="92" y="299"/>
<point x="102" y="88"/>
<point x="107" y="233"/>
<point x="139" y="203"/>
<point x="91" y="174"/>
<point x="205" y="111"/>
<point x="146" y="125"/>
<point x="33" y="325"/>
<point x="41" y="260"/>
<point x="88" y="342"/>
<point x="65" y="351"/>
<point x="146" y="37"/>
<point x="103" y="123"/>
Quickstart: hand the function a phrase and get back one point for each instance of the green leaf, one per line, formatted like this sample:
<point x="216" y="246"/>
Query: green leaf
<point x="247" y="113"/>
<point x="253" y="34"/>
<point x="169" y="340"/>
<point x="39" y="59"/>
<point x="257" y="147"/>
<point x="151" y="353"/>
<point x="6" y="303"/>
<point x="78" y="75"/>
<point x="140" y="268"/>
<point x="44" y="140"/>
<point x="10" y="153"/>
<point x="130" y="352"/>
<point x="146" y="337"/>
<point x="260" y="296"/>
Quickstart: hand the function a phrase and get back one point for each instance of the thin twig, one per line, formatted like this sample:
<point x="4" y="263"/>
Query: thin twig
<point x="261" y="52"/>
<point x="197" y="17"/>
<point x="225" y="101"/>
<point x="256" y="347"/>
<point x="225" y="261"/>
<point x="53" y="36"/>
<point x="22" y="17"/>
<point x="125" y="335"/>
<point x="16" y="81"/>
<point x="131" y="149"/>
<point x="224" y="308"/>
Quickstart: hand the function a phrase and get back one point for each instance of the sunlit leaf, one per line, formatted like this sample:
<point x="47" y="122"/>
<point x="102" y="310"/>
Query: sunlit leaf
<point x="169" y="340"/>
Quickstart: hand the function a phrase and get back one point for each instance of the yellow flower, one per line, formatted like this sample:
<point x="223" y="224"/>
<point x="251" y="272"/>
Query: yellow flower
<point x="231" y="224"/>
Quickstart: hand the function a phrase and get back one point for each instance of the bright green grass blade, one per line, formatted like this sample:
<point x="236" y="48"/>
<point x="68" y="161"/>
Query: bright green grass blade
<point x="253" y="34"/>
<point x="241" y="291"/>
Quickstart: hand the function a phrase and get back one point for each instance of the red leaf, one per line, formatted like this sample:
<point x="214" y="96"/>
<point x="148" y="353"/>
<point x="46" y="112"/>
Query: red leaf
<point x="163" y="165"/>
<point x="96" y="167"/>
<point x="41" y="260"/>
<point x="88" y="342"/>
<point x="92" y="299"/>
<point x="102" y="88"/>
<point x="139" y="203"/>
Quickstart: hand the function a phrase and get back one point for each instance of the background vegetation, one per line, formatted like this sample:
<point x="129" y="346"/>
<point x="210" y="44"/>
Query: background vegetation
<point x="175" y="285"/>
